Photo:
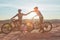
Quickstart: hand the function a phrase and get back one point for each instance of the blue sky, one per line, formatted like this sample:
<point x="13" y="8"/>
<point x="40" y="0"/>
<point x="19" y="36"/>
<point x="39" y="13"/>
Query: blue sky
<point x="49" y="8"/>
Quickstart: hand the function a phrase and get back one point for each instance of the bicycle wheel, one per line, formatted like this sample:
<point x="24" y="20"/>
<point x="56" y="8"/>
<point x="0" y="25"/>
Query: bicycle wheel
<point x="6" y="28"/>
<point x="47" y="26"/>
<point x="29" y="27"/>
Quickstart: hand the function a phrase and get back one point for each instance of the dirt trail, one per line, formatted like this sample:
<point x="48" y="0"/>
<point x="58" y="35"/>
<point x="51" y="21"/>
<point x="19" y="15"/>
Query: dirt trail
<point x="17" y="35"/>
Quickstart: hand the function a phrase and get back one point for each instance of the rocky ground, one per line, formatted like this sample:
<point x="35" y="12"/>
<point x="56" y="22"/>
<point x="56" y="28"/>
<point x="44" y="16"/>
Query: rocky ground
<point x="17" y="35"/>
<point x="54" y="34"/>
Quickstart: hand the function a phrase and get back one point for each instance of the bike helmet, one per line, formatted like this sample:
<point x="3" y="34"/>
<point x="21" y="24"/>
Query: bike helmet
<point x="19" y="10"/>
<point x="35" y="7"/>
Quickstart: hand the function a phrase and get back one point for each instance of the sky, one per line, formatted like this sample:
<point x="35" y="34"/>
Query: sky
<point x="50" y="9"/>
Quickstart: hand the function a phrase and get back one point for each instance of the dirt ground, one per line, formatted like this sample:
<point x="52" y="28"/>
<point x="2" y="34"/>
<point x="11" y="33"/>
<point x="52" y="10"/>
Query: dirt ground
<point x="54" y="34"/>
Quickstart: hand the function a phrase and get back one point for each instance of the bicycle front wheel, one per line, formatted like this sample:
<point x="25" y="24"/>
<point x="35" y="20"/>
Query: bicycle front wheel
<point x="6" y="28"/>
<point x="47" y="26"/>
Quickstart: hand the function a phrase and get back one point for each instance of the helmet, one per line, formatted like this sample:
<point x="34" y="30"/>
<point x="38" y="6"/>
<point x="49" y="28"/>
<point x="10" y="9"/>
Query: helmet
<point x="35" y="7"/>
<point x="19" y="10"/>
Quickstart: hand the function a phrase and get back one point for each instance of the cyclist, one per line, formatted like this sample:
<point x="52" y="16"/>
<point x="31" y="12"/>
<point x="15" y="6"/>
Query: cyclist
<point x="39" y="14"/>
<point x="20" y="15"/>
<point x="36" y="10"/>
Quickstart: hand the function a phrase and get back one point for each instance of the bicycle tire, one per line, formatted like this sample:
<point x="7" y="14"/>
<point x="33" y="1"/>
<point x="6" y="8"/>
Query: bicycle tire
<point x="6" y="28"/>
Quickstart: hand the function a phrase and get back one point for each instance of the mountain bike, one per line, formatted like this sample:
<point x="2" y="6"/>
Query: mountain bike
<point x="27" y="25"/>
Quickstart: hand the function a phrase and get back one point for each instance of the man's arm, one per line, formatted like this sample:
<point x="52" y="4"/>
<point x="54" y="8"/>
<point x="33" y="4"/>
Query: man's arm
<point x="28" y="13"/>
<point x="14" y="16"/>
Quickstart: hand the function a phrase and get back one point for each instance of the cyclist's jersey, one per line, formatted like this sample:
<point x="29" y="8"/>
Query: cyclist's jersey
<point x="40" y="16"/>
<point x="39" y="13"/>
<point x="20" y="15"/>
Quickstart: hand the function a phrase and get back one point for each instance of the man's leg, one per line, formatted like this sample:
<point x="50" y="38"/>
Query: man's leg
<point x="18" y="25"/>
<point x="41" y="23"/>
